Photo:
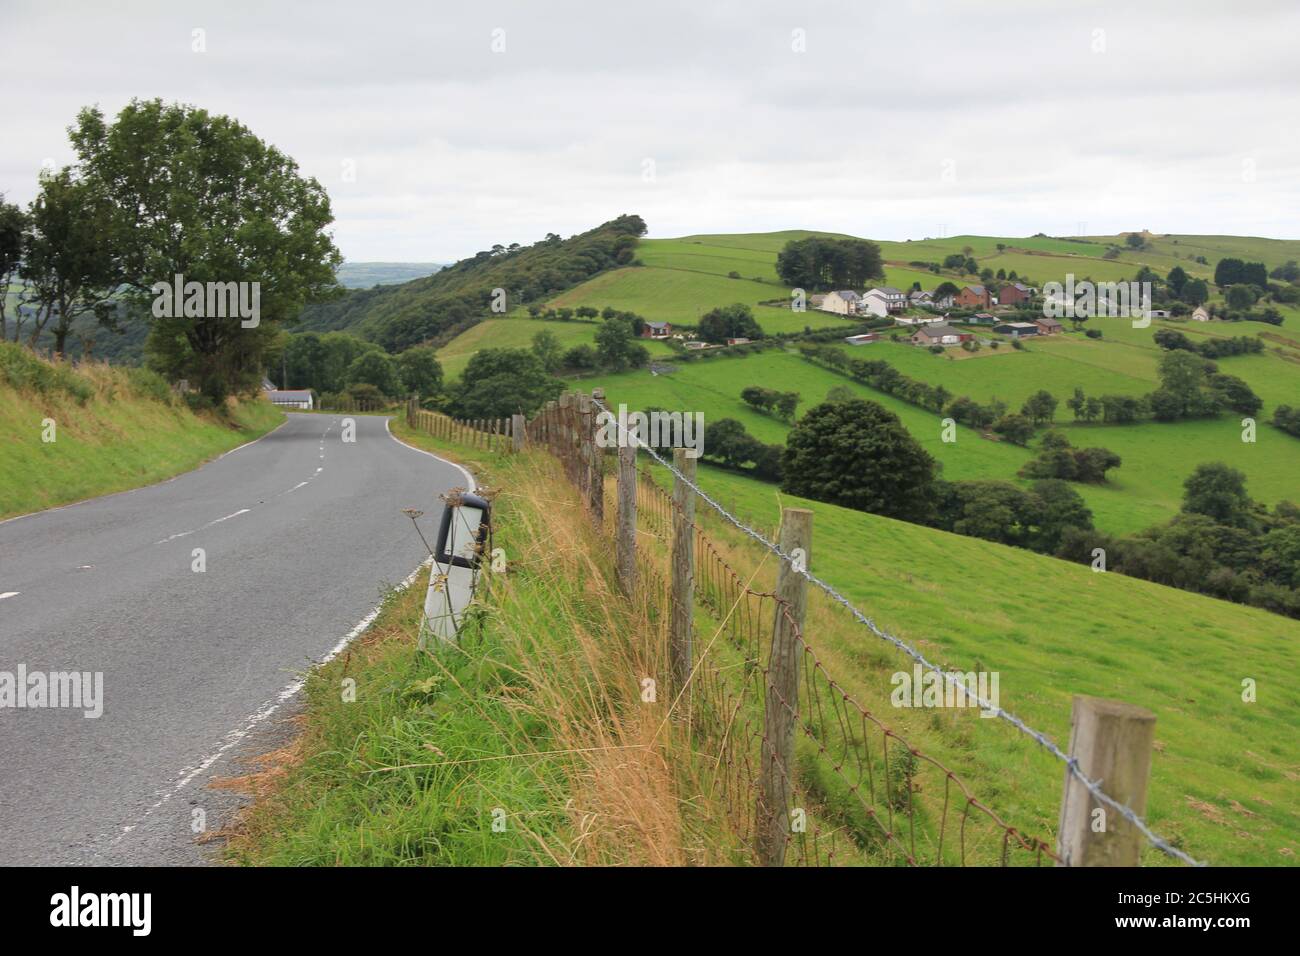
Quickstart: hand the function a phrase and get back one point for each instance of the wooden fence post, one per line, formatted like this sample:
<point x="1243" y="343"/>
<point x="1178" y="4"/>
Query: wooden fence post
<point x="596" y="460"/>
<point x="517" y="430"/>
<point x="625" y="529"/>
<point x="584" y="442"/>
<point x="564" y="441"/>
<point x="1112" y="742"/>
<point x="679" y="646"/>
<point x="782" y="693"/>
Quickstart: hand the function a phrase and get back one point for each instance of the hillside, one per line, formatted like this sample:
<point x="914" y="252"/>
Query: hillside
<point x="113" y="429"/>
<point x="454" y="298"/>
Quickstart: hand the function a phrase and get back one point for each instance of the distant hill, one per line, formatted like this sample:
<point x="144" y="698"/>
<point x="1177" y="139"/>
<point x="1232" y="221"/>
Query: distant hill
<point x="364" y="275"/>
<point x="440" y="306"/>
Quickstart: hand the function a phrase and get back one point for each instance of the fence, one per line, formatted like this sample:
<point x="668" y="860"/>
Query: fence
<point x="809" y="775"/>
<point x="346" y="403"/>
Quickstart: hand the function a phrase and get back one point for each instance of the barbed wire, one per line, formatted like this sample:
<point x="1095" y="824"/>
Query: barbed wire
<point x="1071" y="763"/>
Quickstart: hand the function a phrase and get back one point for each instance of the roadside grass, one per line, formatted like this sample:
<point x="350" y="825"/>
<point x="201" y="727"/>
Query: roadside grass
<point x="534" y="721"/>
<point x="114" y="429"/>
<point x="1224" y="771"/>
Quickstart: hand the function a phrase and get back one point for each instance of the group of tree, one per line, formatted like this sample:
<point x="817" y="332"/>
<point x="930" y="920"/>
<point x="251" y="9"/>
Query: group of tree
<point x="1190" y="387"/>
<point x="879" y="375"/>
<point x="336" y="362"/>
<point x="1230" y="272"/>
<point x="771" y="401"/>
<point x="163" y="190"/>
<point x="1288" y="419"/>
<point x="727" y="442"/>
<point x="1058" y="458"/>
<point x="858" y="455"/>
<point x="501" y="382"/>
<point x="728" y="322"/>
<point x="819" y="264"/>
<point x="1221" y="543"/>
<point x="1172" y="340"/>
<point x="616" y="348"/>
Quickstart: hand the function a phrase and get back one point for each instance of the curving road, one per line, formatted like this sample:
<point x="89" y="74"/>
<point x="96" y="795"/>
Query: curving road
<point x="300" y="531"/>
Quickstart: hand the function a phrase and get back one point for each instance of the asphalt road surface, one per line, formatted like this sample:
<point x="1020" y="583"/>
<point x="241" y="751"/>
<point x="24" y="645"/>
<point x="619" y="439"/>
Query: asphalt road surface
<point x="300" y="532"/>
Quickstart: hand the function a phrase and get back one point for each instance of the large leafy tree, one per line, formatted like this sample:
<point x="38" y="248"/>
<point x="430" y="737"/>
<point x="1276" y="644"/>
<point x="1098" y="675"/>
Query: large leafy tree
<point x="378" y="369"/>
<point x="69" y="256"/>
<point x="421" y="371"/>
<point x="819" y="262"/>
<point x="730" y="321"/>
<point x="1218" y="491"/>
<point x="858" y="454"/>
<point x="501" y="382"/>
<point x="200" y="195"/>
<point x="13" y="226"/>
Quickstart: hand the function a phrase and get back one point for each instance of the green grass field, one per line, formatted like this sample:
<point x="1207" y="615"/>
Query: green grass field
<point x="516" y="332"/>
<point x="1224" y="772"/>
<point x="119" y="439"/>
<point x="1146" y="490"/>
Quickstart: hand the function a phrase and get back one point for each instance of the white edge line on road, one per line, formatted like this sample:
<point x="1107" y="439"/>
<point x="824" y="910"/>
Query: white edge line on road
<point x="9" y="594"/>
<point x="188" y="775"/>
<point x="165" y="481"/>
<point x="470" y="486"/>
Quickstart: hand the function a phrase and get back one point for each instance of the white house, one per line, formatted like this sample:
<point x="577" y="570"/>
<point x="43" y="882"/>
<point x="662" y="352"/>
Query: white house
<point x="895" y="299"/>
<point x="291" y="398"/>
<point x="919" y="297"/>
<point x="874" y="302"/>
<point x="841" y="302"/>
<point x="1200" y="314"/>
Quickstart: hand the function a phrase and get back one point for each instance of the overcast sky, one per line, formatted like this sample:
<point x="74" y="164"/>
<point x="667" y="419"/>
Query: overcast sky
<point x="479" y="122"/>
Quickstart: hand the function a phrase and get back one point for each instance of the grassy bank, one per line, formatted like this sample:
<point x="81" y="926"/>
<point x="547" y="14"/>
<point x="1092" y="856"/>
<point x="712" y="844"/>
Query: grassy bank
<point x="528" y="743"/>
<point x="113" y="429"/>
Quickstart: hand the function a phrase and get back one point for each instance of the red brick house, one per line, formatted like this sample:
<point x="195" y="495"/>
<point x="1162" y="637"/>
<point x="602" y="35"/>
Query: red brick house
<point x="940" y="334"/>
<point x="1015" y="294"/>
<point x="974" y="297"/>
<point x="1048" y="326"/>
<point x="656" y="330"/>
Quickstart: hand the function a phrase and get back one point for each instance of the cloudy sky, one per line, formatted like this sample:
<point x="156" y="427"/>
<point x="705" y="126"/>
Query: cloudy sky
<point x="439" y="129"/>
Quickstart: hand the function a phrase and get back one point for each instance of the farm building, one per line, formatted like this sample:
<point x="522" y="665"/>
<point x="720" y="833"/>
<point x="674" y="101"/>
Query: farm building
<point x="1049" y="326"/>
<point x="291" y="398"/>
<point x="1016" y="329"/>
<point x="656" y="330"/>
<point x="1200" y="314"/>
<point x="738" y="340"/>
<point x="865" y="338"/>
<point x="974" y="297"/>
<point x="940" y="334"/>
<point x="841" y="302"/>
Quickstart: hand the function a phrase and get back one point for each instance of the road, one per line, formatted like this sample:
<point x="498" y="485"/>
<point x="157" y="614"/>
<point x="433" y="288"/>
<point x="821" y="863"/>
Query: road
<point x="300" y="531"/>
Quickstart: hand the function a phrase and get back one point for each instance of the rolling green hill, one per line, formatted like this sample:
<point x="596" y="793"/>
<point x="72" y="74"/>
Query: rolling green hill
<point x="1224" y="772"/>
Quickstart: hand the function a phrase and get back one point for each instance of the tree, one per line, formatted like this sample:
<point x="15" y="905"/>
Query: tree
<point x="1219" y="491"/>
<point x="13" y="227"/>
<point x="858" y="454"/>
<point x="1235" y="393"/>
<point x="547" y="348"/>
<point x="421" y="371"/>
<point x="1196" y="292"/>
<point x="199" y="195"/>
<point x="1040" y="407"/>
<point x="581" y="357"/>
<point x="1016" y="429"/>
<point x="1134" y="240"/>
<point x="1061" y="509"/>
<point x="945" y="289"/>
<point x="617" y="349"/>
<point x="377" y="369"/>
<point x="1176" y="281"/>
<point x="1181" y="376"/>
<point x="1240" y="297"/>
<point x="732" y="321"/>
<point x="68" y="259"/>
<point x="501" y="382"/>
<point x="786" y="403"/>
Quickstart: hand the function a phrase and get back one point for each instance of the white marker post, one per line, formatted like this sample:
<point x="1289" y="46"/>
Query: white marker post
<point x="458" y="553"/>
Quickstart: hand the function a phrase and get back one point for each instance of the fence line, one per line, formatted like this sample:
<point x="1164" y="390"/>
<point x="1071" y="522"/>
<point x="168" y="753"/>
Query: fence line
<point x="863" y="788"/>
